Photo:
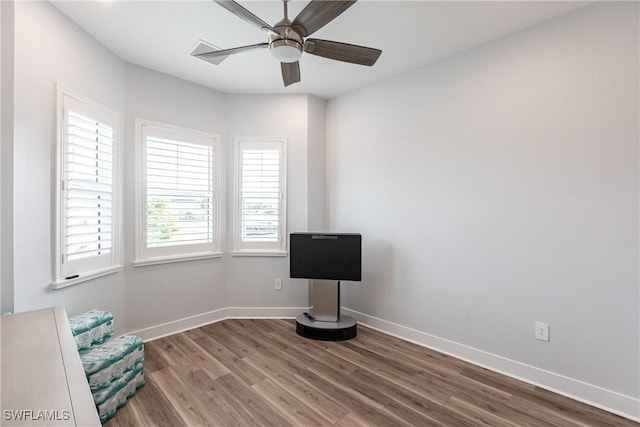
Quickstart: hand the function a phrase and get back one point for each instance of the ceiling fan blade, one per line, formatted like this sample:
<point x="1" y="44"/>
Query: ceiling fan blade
<point x="317" y="14"/>
<point x="243" y="13"/>
<point x="344" y="52"/>
<point x="226" y="52"/>
<point x="290" y="72"/>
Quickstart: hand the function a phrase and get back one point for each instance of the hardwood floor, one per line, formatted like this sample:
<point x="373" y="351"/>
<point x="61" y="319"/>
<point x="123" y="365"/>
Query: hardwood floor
<point x="259" y="372"/>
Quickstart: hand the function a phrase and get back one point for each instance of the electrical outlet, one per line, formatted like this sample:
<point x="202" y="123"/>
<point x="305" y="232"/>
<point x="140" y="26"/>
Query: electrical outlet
<point x="277" y="284"/>
<point x="542" y="331"/>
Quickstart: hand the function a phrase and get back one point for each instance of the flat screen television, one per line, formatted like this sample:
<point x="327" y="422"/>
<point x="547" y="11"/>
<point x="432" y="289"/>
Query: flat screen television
<point x="329" y="256"/>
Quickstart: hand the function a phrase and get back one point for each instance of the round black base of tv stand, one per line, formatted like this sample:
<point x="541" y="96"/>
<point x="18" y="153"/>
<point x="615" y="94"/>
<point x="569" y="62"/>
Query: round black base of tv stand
<point x="344" y="329"/>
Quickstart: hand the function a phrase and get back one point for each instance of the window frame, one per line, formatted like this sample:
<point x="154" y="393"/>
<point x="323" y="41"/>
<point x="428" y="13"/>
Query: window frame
<point x="241" y="248"/>
<point x="62" y="276"/>
<point x="145" y="255"/>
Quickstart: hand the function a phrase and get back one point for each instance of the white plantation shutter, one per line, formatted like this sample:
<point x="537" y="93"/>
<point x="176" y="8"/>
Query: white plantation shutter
<point x="260" y="198"/>
<point x="88" y="188"/>
<point x="88" y="194"/>
<point x="260" y="195"/>
<point x="178" y="192"/>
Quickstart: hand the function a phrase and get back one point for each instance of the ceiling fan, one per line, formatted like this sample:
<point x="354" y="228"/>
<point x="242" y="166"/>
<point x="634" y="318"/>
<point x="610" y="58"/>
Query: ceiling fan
<point x="287" y="40"/>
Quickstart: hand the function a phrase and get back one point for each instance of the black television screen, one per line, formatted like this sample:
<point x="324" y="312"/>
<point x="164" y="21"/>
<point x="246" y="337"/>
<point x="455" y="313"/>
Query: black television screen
<point x="330" y="256"/>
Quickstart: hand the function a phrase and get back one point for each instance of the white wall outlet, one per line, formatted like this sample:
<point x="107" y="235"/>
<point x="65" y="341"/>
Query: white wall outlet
<point x="542" y="331"/>
<point x="277" y="284"/>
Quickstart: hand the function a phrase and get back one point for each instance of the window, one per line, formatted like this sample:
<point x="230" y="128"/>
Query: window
<point x="177" y="211"/>
<point x="260" y="196"/>
<point x="87" y="191"/>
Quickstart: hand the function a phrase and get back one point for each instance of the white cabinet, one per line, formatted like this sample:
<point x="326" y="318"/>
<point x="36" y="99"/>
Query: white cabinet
<point x="42" y="380"/>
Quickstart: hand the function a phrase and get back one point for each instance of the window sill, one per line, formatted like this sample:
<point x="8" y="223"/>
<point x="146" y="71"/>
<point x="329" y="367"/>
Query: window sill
<point x="259" y="253"/>
<point x="175" y="258"/>
<point x="59" y="284"/>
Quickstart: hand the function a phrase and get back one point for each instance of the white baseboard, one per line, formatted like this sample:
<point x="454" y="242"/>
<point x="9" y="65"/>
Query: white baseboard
<point x="180" y="325"/>
<point x="264" y="312"/>
<point x="191" y="322"/>
<point x="611" y="401"/>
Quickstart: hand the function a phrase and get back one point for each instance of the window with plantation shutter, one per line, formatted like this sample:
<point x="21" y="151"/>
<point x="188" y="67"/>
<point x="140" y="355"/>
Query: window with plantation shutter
<point x="88" y="193"/>
<point x="88" y="187"/>
<point x="177" y="194"/>
<point x="260" y="196"/>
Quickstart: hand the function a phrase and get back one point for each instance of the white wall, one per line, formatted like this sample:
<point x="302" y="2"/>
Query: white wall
<point x="3" y="34"/>
<point x="499" y="187"/>
<point x="494" y="188"/>
<point x="49" y="49"/>
<point x="162" y="293"/>
<point x="250" y="279"/>
<point x="3" y="108"/>
<point x="6" y="155"/>
<point x="316" y="160"/>
<point x="158" y="294"/>
<point x="2" y="143"/>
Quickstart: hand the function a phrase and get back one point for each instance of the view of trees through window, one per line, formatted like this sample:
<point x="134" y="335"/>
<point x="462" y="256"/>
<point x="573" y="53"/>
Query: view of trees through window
<point x="179" y="191"/>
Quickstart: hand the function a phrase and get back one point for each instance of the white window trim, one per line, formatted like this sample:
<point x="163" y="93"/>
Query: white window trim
<point x="142" y="259"/>
<point x="88" y="276"/>
<point x="59" y="281"/>
<point x="281" y="249"/>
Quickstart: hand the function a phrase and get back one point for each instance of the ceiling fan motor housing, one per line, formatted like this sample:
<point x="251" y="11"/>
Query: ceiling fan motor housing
<point x="286" y="45"/>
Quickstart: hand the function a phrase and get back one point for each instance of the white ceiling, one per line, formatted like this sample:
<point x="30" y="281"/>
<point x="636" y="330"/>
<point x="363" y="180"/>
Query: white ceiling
<point x="160" y="34"/>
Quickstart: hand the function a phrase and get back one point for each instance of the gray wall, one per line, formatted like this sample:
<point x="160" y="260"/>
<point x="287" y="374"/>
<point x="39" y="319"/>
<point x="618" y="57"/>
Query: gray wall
<point x="499" y="187"/>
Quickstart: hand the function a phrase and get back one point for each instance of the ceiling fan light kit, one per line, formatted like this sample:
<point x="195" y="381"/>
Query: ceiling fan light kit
<point x="285" y="50"/>
<point x="286" y="39"/>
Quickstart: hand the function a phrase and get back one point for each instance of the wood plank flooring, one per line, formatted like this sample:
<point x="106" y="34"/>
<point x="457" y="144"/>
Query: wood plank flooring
<point x="260" y="373"/>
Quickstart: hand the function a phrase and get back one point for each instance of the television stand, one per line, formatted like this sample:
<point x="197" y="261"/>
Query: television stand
<point x="325" y="321"/>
